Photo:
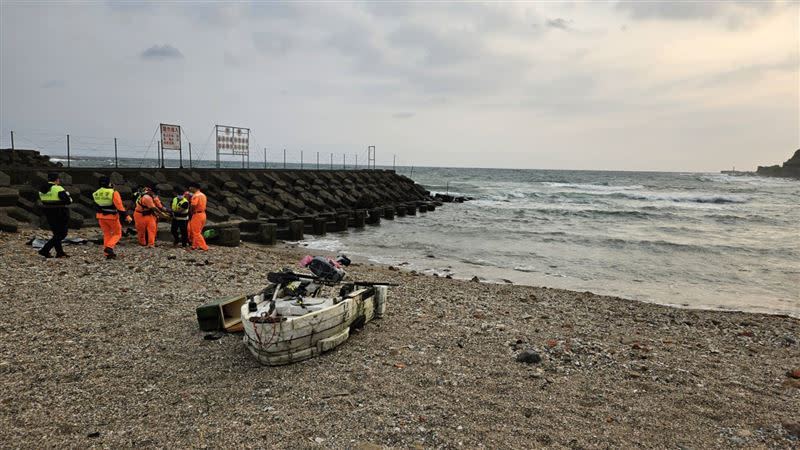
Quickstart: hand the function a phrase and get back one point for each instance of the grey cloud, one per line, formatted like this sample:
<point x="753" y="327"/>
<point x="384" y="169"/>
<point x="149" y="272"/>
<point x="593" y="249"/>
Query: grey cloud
<point x="438" y="48"/>
<point x="403" y="115"/>
<point x="558" y="23"/>
<point x="53" y="84"/>
<point x="692" y="10"/>
<point x="161" y="52"/>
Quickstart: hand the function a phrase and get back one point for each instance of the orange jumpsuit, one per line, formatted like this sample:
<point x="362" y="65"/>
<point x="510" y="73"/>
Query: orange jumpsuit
<point x="146" y="225"/>
<point x="198" y="221"/>
<point x="109" y="223"/>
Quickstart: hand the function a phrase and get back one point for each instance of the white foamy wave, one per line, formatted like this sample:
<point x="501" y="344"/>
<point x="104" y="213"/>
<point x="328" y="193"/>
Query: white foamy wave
<point x="525" y="269"/>
<point x="693" y="198"/>
<point x="328" y="245"/>
<point x="593" y="187"/>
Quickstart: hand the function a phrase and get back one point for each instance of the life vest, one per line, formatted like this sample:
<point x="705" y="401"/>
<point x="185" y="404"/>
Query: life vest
<point x="50" y="199"/>
<point x="140" y="208"/>
<point x="104" y="201"/>
<point x="180" y="208"/>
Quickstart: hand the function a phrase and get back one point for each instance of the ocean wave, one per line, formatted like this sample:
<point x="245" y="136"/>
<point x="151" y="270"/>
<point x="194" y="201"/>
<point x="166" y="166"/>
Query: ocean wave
<point x="684" y="198"/>
<point x="594" y="187"/>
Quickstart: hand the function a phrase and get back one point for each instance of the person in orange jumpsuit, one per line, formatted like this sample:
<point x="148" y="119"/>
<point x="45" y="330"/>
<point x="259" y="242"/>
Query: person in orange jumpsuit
<point x="109" y="207"/>
<point x="145" y="219"/>
<point x="198" y="220"/>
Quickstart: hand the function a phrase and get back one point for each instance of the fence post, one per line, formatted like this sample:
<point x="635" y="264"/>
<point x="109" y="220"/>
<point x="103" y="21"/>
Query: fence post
<point x="161" y="154"/>
<point x="190" y="155"/>
<point x="394" y="160"/>
<point x="344" y="161"/>
<point x="284" y="158"/>
<point x="356" y="161"/>
<point x="12" y="139"/>
<point x="331" y="161"/>
<point x="301" y="160"/>
<point x="317" y="160"/>
<point x="67" y="150"/>
<point x="265" y="157"/>
<point x="116" y="160"/>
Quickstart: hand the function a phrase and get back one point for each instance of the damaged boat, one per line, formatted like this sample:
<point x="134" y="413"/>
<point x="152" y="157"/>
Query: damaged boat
<point x="294" y="319"/>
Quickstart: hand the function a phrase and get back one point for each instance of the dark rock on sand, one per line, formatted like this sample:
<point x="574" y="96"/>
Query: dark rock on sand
<point x="529" y="357"/>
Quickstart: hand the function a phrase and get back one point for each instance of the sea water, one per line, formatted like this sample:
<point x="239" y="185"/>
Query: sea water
<point x="684" y="239"/>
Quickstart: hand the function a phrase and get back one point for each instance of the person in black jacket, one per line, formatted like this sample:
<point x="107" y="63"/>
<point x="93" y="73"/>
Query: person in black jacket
<point x="54" y="200"/>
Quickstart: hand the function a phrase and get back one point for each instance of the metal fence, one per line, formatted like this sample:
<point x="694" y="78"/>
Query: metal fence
<point x="111" y="152"/>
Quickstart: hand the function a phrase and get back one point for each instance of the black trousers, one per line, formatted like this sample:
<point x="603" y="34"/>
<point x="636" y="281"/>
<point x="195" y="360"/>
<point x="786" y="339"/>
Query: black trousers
<point x="178" y="227"/>
<point x="57" y="219"/>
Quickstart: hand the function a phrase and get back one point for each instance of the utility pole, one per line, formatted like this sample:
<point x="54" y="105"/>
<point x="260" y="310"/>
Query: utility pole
<point x="284" y="158"/>
<point x="301" y="160"/>
<point x="68" y="159"/>
<point x="344" y="161"/>
<point x="265" y="157"/>
<point x="394" y="161"/>
<point x="331" y="161"/>
<point x="116" y="161"/>
<point x="12" y="139"/>
<point x="161" y="153"/>
<point x="356" y="161"/>
<point x="190" y="155"/>
<point x="317" y="160"/>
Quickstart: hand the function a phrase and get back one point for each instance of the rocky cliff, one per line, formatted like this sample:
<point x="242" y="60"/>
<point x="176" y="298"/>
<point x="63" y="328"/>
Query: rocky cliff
<point x="790" y="169"/>
<point x="261" y="203"/>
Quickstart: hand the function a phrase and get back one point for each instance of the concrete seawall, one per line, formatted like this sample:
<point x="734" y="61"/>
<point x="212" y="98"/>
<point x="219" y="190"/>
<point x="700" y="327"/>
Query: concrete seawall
<point x="259" y="205"/>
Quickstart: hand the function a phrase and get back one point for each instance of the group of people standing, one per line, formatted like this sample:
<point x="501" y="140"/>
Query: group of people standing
<point x="187" y="213"/>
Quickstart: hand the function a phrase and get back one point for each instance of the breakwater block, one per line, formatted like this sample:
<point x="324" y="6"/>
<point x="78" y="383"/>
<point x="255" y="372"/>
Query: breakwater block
<point x="226" y="237"/>
<point x="296" y="230"/>
<point x="258" y="231"/>
<point x="267" y="232"/>
<point x="319" y="226"/>
<point x="388" y="213"/>
<point x="400" y="210"/>
<point x="411" y="210"/>
<point x="8" y="197"/>
<point x="359" y="217"/>
<point x="5" y="180"/>
<point x="342" y="221"/>
<point x="7" y="224"/>
<point x="221" y="315"/>
<point x="374" y="217"/>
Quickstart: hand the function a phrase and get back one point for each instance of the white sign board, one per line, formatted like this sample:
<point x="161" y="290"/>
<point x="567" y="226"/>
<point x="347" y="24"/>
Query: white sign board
<point x="170" y="137"/>
<point x="233" y="140"/>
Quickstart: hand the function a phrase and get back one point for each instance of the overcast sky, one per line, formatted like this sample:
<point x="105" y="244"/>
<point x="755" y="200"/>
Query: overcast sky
<point x="696" y="86"/>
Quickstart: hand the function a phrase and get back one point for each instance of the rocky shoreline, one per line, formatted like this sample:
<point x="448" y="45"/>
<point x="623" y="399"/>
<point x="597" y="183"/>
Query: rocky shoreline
<point x="108" y="354"/>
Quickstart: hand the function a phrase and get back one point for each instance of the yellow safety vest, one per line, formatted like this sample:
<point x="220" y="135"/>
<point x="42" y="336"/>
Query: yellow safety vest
<point x="51" y="197"/>
<point x="180" y="208"/>
<point x="104" y="199"/>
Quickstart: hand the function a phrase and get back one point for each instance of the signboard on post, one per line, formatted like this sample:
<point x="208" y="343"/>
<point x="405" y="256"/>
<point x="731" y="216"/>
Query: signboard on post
<point x="170" y="137"/>
<point x="233" y="141"/>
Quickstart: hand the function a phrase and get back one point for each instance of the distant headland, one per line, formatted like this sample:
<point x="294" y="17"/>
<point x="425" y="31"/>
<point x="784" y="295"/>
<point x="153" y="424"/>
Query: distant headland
<point x="790" y="169"/>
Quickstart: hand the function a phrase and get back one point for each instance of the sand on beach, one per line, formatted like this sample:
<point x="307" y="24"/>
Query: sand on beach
<point x="108" y="353"/>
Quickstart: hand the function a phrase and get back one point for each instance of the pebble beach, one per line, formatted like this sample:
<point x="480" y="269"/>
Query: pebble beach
<point x="108" y="354"/>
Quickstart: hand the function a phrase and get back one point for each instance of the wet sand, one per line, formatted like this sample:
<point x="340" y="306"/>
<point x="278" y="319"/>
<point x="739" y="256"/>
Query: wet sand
<point x="108" y="354"/>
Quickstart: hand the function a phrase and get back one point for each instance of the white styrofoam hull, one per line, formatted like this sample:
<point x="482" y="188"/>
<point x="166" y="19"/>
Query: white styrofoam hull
<point x="297" y="338"/>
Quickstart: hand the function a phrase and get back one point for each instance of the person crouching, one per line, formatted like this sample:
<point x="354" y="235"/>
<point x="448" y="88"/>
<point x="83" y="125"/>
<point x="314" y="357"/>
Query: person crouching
<point x="109" y="207"/>
<point x="180" y="219"/>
